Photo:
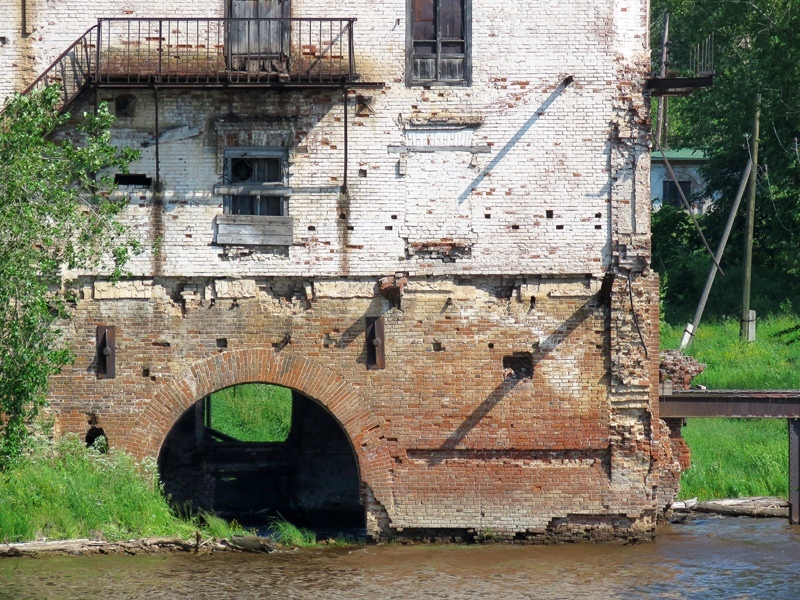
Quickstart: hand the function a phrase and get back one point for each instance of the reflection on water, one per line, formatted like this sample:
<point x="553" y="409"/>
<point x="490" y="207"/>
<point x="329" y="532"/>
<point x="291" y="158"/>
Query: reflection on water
<point x="711" y="558"/>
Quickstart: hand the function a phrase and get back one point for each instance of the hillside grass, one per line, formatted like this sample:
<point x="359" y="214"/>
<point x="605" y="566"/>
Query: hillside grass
<point x="740" y="457"/>
<point x="253" y="412"/>
<point x="771" y="362"/>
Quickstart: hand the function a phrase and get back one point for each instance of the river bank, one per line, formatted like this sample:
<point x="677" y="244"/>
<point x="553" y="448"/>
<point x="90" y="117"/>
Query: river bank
<point x="680" y="513"/>
<point x="707" y="558"/>
<point x="166" y="545"/>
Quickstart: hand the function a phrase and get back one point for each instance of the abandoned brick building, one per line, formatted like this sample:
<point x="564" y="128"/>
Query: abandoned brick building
<point x="427" y="218"/>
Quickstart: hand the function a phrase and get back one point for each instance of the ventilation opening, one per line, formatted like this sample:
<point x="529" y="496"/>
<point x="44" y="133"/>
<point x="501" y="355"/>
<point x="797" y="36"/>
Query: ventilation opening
<point x="125" y="107"/>
<point x="518" y="366"/>
<point x="255" y="452"/>
<point x="135" y="179"/>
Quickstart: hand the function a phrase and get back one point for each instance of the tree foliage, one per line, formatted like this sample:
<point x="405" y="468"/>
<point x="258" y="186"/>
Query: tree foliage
<point x="757" y="51"/>
<point x="56" y="212"/>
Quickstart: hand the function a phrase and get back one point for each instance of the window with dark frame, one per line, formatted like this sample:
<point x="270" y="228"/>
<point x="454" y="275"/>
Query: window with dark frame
<point x="259" y="178"/>
<point x="439" y="42"/>
<point x="670" y="194"/>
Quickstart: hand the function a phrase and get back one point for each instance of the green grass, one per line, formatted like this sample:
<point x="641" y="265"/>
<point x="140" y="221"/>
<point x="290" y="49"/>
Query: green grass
<point x="771" y="362"/>
<point x="732" y="458"/>
<point x="289" y="535"/>
<point x="740" y="457"/>
<point x="68" y="491"/>
<point x="253" y="412"/>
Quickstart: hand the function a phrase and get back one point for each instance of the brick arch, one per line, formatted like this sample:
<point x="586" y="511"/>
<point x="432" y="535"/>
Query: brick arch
<point x="265" y="365"/>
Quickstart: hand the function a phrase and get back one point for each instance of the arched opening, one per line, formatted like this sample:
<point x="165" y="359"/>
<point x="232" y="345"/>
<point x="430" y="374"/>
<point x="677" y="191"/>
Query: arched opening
<point x="256" y="451"/>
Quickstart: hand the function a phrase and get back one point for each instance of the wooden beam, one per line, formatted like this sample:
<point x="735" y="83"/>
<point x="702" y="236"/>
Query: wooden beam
<point x="253" y="230"/>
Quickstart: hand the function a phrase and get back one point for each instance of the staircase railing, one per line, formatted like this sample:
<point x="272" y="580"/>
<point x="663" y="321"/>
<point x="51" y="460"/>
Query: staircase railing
<point x="73" y="70"/>
<point x="205" y="52"/>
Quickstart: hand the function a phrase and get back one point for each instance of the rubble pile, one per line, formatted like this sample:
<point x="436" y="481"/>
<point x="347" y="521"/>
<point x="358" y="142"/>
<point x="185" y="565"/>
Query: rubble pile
<point x="679" y="369"/>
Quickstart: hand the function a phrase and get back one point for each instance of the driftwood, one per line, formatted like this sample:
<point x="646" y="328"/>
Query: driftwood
<point x="152" y="545"/>
<point x="761" y="506"/>
<point x="757" y="506"/>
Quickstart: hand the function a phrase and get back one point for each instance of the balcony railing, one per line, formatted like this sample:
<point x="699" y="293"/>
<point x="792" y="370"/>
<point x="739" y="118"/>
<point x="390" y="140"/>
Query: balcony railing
<point x="210" y="52"/>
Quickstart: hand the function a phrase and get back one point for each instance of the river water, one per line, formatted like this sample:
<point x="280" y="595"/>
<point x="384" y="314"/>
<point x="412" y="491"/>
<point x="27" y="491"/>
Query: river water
<point x="709" y="558"/>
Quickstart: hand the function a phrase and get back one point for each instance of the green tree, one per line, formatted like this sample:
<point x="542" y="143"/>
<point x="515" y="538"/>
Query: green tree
<point x="757" y="50"/>
<point x="56" y="212"/>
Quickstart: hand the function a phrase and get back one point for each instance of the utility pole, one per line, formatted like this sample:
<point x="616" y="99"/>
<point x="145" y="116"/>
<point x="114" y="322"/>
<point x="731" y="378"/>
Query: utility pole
<point x="691" y="328"/>
<point x="747" y="322"/>
<point x="662" y="101"/>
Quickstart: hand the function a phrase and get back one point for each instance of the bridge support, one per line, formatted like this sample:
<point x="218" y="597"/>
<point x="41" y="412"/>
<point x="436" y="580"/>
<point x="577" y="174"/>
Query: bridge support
<point x="794" y="471"/>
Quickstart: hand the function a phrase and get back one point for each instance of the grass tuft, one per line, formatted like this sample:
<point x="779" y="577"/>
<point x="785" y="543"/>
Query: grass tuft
<point x="289" y="535"/>
<point x="220" y="528"/>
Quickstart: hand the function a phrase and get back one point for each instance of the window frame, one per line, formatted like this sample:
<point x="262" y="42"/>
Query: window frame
<point x="280" y="189"/>
<point x="466" y="7"/>
<point x="673" y="197"/>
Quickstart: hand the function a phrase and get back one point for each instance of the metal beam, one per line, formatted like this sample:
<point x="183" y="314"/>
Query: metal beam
<point x="794" y="471"/>
<point x="731" y="403"/>
<point x="664" y="86"/>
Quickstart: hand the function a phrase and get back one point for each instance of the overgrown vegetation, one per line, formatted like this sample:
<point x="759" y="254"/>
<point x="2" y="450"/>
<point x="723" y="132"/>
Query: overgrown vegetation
<point x="756" y="51"/>
<point x="740" y="457"/>
<point x="66" y="490"/>
<point x="253" y="412"/>
<point x="56" y="211"/>
<point x="732" y="458"/>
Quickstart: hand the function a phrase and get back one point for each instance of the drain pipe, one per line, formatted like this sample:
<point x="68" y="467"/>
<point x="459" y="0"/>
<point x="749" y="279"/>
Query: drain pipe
<point x="343" y="189"/>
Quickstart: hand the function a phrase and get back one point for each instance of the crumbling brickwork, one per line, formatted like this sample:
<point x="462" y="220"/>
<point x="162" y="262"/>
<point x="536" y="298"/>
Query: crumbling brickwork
<point x="500" y="229"/>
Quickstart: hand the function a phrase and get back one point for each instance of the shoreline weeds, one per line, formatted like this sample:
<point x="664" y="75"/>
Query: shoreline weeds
<point x="679" y="512"/>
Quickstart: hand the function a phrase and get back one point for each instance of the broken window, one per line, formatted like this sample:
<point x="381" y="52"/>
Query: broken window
<point x="256" y="179"/>
<point x="256" y="199"/>
<point x="518" y="366"/>
<point x="438" y="41"/>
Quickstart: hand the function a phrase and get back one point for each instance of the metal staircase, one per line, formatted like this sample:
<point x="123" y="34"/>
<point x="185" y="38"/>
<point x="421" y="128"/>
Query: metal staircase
<point x="73" y="70"/>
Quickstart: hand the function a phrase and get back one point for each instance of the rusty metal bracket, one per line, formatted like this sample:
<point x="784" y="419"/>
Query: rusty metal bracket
<point x="106" y="352"/>
<point x="376" y="343"/>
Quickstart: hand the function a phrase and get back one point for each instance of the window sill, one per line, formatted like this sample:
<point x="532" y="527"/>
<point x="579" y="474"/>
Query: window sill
<point x="462" y="83"/>
<point x="254" y="230"/>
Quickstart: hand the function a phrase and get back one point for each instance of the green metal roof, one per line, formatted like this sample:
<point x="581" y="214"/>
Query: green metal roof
<point x="679" y="154"/>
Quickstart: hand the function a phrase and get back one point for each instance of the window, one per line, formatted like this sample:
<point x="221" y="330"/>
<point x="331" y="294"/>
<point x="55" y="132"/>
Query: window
<point x="257" y="182"/>
<point x="438" y="42"/>
<point x="256" y="198"/>
<point x="670" y="194"/>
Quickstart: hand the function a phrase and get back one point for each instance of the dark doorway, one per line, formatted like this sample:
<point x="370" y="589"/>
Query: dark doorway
<point x="255" y="452"/>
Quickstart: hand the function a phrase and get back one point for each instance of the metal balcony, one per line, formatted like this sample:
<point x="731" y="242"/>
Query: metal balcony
<point x="232" y="52"/>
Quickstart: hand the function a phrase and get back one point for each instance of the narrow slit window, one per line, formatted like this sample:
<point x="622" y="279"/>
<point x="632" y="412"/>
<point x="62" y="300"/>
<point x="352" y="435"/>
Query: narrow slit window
<point x="376" y="343"/>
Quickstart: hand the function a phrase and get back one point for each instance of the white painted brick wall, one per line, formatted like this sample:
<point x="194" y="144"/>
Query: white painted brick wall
<point x="560" y="161"/>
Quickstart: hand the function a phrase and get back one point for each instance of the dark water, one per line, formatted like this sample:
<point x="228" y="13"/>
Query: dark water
<point x="712" y="558"/>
